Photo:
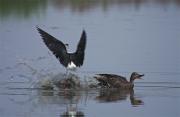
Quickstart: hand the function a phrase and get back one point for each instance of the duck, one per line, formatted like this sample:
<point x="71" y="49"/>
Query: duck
<point x="69" y="60"/>
<point x="117" y="81"/>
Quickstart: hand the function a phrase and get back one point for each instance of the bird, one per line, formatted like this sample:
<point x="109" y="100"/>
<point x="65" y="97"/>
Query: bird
<point x="117" y="81"/>
<point x="69" y="60"/>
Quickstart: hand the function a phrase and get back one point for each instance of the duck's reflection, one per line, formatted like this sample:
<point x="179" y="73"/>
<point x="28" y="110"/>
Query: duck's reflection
<point x="113" y="95"/>
<point x="101" y="95"/>
<point x="135" y="101"/>
<point x="71" y="103"/>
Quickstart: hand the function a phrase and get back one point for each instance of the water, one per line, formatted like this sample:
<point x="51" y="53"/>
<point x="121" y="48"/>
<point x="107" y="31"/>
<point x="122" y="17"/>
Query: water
<point x="123" y="36"/>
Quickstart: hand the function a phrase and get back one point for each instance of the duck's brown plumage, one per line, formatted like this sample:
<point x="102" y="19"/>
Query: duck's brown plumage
<point x="116" y="81"/>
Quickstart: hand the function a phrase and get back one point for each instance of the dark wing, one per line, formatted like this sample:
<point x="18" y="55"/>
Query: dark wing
<point x="79" y="54"/>
<point x="56" y="46"/>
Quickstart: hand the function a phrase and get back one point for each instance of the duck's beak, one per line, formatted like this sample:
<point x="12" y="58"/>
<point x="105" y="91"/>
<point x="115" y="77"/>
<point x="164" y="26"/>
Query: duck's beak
<point x="140" y="75"/>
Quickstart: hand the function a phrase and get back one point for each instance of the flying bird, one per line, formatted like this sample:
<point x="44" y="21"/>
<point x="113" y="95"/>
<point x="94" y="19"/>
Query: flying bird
<point x="69" y="60"/>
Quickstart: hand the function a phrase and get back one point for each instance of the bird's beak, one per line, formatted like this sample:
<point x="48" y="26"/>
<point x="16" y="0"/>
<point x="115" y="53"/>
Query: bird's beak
<point x="140" y="76"/>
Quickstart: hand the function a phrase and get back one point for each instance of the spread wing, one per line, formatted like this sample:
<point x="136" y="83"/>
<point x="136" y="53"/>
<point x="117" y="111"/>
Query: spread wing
<point x="79" y="54"/>
<point x="56" y="46"/>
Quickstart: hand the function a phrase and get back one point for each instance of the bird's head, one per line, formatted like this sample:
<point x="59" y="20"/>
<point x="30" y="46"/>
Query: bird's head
<point x="67" y="45"/>
<point x="135" y="75"/>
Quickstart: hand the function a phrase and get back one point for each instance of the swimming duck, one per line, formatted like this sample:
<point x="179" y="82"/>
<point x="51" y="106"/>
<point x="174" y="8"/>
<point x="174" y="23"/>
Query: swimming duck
<point x="58" y="48"/>
<point x="116" y="81"/>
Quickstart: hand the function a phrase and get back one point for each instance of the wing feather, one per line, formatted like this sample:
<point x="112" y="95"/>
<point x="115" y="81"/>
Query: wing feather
<point x="56" y="46"/>
<point x="80" y="52"/>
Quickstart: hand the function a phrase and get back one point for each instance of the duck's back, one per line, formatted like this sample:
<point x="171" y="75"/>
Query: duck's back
<point x="114" y="77"/>
<point x="114" y="81"/>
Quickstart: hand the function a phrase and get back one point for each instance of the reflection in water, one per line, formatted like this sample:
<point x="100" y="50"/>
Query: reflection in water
<point x="135" y="101"/>
<point x="27" y="8"/>
<point x="72" y="111"/>
<point x="71" y="99"/>
<point x="21" y="8"/>
<point x="112" y="95"/>
<point x="69" y="103"/>
<point x="84" y="5"/>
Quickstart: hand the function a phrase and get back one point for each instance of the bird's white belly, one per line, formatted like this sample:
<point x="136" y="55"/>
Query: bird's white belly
<point x="71" y="65"/>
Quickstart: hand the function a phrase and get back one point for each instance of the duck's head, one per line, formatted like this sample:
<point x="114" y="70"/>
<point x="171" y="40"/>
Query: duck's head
<point x="135" y="75"/>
